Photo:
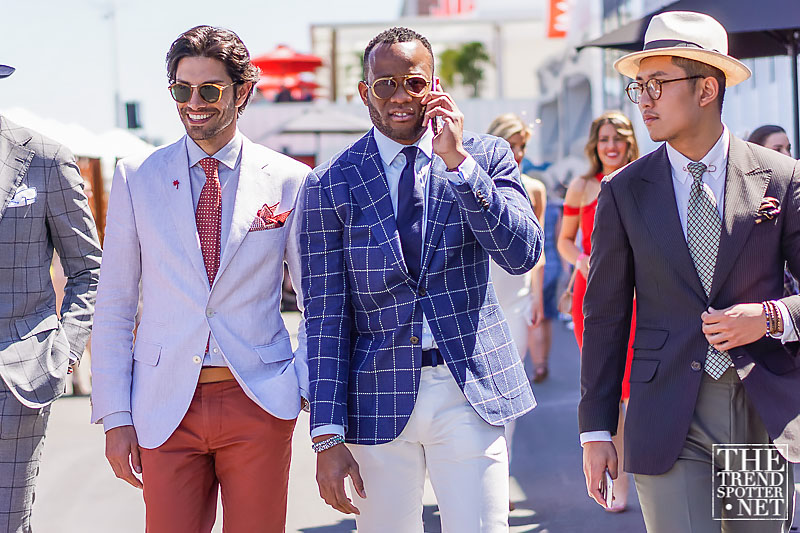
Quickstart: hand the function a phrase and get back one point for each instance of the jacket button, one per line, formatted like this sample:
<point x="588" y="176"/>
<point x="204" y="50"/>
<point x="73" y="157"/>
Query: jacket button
<point x="696" y="366"/>
<point x="209" y="312"/>
<point x="421" y="291"/>
<point x="197" y="359"/>
<point x="414" y="339"/>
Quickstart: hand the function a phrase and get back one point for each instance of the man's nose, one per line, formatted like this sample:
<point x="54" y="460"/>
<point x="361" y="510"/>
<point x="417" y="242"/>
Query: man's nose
<point x="400" y="95"/>
<point x="195" y="100"/>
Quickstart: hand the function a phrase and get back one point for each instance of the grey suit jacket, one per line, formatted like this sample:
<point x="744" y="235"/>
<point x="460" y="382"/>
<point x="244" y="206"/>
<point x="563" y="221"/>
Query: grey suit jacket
<point x="638" y="243"/>
<point x="42" y="207"/>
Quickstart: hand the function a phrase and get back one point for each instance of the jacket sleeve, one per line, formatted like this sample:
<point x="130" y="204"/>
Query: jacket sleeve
<point x="327" y="305"/>
<point x="607" y="310"/>
<point x="498" y="210"/>
<point x="292" y="257"/>
<point x="791" y="244"/>
<point x="74" y="235"/>
<point x="117" y="302"/>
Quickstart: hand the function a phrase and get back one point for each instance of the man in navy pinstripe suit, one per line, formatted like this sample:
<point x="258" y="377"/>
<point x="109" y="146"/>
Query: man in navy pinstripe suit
<point x="410" y="357"/>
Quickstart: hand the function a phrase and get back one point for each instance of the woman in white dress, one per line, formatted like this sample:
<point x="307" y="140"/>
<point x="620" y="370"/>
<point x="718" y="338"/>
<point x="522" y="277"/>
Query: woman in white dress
<point x="520" y="297"/>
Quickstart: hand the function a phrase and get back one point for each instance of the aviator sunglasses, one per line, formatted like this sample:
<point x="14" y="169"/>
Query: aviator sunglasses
<point x="210" y="92"/>
<point x="384" y="88"/>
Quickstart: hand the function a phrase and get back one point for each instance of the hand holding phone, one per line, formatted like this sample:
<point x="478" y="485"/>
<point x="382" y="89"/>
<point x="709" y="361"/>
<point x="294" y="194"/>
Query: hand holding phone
<point x="436" y="122"/>
<point x="607" y="489"/>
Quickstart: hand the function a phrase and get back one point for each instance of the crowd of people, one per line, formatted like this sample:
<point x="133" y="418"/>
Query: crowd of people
<point x="418" y="258"/>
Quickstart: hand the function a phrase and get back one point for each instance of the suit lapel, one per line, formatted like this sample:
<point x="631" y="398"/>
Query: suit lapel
<point x="440" y="200"/>
<point x="254" y="180"/>
<point x="178" y="194"/>
<point x="655" y="197"/>
<point x="745" y="184"/>
<point x="364" y="173"/>
<point x="16" y="159"/>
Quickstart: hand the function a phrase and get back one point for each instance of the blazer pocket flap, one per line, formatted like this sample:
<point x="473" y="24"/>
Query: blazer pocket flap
<point x="31" y="325"/>
<point x="147" y="352"/>
<point x="643" y="370"/>
<point x="650" y="339"/>
<point x="280" y="350"/>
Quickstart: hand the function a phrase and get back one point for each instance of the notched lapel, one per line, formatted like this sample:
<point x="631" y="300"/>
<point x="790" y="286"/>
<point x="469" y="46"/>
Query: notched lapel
<point x="364" y="173"/>
<point x="16" y="159"/>
<point x="655" y="197"/>
<point x="745" y="185"/>
<point x="440" y="201"/>
<point x="179" y="203"/>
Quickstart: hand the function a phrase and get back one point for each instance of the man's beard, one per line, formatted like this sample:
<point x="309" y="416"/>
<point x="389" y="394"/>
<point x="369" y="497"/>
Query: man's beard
<point x="386" y="129"/>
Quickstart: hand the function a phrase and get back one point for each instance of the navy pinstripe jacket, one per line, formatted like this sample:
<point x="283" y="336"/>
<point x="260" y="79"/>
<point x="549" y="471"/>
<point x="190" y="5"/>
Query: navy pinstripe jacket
<point x="364" y="313"/>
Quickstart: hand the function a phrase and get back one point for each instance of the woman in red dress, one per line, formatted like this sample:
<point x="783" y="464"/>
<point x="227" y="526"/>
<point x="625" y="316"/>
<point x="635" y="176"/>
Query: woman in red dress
<point x="611" y="146"/>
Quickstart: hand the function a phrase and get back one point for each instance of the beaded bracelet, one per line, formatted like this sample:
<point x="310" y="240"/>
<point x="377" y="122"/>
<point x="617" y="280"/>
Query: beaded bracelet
<point x="326" y="444"/>
<point x="765" y="307"/>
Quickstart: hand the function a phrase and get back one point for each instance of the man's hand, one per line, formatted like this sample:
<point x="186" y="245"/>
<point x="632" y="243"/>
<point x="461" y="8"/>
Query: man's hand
<point x="597" y="456"/>
<point x="735" y="326"/>
<point x="122" y="451"/>
<point x="333" y="465"/>
<point x="447" y="144"/>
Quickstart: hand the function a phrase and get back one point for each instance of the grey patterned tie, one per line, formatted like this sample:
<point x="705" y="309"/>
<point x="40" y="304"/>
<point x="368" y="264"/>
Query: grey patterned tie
<point x="703" y="228"/>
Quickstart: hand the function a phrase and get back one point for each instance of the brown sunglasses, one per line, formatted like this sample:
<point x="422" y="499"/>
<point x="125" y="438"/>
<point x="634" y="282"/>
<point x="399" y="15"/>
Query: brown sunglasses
<point x="384" y="88"/>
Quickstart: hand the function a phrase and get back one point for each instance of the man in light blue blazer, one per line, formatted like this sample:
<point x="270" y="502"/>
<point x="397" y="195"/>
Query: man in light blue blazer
<point x="209" y="393"/>
<point x="410" y="358"/>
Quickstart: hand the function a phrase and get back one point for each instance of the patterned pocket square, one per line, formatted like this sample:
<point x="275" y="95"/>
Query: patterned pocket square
<point x="769" y="209"/>
<point x="266" y="218"/>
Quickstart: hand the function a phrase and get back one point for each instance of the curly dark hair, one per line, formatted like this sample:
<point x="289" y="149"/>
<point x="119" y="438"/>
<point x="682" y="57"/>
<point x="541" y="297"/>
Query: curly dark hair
<point x="391" y="36"/>
<point x="216" y="43"/>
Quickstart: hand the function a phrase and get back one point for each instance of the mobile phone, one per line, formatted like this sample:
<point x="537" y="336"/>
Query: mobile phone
<point x="436" y="122"/>
<point x="607" y="489"/>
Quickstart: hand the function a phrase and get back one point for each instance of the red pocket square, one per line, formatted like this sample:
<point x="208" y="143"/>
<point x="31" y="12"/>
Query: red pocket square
<point x="266" y="218"/>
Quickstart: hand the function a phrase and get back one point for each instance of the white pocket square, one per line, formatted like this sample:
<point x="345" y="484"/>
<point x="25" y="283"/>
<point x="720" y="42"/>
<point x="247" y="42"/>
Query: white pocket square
<point x="24" y="196"/>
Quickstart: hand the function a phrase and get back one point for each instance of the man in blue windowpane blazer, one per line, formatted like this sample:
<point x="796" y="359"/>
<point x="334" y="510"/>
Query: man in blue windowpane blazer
<point x="410" y="357"/>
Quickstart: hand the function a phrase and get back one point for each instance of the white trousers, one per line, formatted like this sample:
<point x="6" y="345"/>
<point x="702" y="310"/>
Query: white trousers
<point x="465" y="457"/>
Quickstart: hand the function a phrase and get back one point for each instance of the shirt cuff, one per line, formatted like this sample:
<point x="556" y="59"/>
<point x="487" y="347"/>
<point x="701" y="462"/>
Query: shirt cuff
<point x="330" y="429"/>
<point x="118" y="419"/>
<point x="595" y="436"/>
<point x="464" y="169"/>
<point x="789" y="333"/>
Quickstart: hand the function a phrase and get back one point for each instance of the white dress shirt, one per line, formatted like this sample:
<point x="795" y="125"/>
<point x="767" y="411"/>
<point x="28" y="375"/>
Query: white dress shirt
<point x="393" y="164"/>
<point x="716" y="160"/>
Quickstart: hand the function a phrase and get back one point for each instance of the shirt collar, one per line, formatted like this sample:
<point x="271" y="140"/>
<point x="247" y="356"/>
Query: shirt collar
<point x="228" y="155"/>
<point x="716" y="159"/>
<point x="388" y="148"/>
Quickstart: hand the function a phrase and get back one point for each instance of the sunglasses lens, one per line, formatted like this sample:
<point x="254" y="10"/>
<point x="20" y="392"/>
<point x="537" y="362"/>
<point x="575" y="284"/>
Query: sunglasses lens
<point x="180" y="93"/>
<point x="416" y="85"/>
<point x="384" y="88"/>
<point x="634" y="91"/>
<point x="210" y="93"/>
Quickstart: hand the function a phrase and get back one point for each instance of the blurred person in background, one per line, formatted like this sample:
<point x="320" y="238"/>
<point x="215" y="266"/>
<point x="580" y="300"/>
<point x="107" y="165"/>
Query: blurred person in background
<point x="43" y="208"/>
<point x="520" y="296"/>
<point x="207" y="398"/>
<point x="611" y="145"/>
<point x="772" y="137"/>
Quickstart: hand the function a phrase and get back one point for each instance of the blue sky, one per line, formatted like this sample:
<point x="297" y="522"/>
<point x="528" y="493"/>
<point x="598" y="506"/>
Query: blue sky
<point x="63" y="50"/>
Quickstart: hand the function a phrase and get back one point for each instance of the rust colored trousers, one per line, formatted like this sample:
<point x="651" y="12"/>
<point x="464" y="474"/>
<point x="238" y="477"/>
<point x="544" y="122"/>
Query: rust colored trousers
<point x="225" y="441"/>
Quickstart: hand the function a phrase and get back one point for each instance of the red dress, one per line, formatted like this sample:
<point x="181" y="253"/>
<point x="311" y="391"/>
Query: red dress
<point x="579" y="291"/>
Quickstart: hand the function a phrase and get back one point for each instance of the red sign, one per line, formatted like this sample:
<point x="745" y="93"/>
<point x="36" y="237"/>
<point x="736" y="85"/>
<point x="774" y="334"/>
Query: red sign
<point x="557" y="21"/>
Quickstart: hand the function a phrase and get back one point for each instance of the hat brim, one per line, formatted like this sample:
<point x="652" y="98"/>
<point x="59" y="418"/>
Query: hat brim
<point x="6" y="71"/>
<point x="735" y="71"/>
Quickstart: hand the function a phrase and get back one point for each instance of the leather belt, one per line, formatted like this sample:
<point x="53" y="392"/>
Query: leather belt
<point x="432" y="358"/>
<point x="214" y="374"/>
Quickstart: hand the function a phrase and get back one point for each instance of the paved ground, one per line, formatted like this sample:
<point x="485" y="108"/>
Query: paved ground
<point x="78" y="492"/>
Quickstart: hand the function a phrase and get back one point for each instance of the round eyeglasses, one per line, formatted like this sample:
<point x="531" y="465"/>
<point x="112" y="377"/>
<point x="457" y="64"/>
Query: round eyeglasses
<point x="210" y="92"/>
<point x="384" y="88"/>
<point x="653" y="86"/>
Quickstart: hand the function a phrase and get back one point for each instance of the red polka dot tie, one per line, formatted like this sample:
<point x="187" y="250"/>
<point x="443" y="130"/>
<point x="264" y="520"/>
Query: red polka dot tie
<point x="209" y="217"/>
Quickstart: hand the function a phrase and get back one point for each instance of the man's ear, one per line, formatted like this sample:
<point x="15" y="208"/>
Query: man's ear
<point x="363" y="91"/>
<point x="242" y="91"/>
<point x="709" y="90"/>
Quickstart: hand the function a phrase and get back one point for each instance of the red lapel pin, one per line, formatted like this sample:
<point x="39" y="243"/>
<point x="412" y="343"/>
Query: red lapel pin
<point x="176" y="183"/>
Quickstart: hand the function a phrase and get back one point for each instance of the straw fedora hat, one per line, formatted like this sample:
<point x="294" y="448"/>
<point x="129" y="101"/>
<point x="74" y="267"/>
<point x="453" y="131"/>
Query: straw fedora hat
<point x="686" y="34"/>
<point x="6" y="71"/>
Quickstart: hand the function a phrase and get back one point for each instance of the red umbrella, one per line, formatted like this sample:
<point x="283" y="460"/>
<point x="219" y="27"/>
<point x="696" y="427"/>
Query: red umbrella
<point x="283" y="60"/>
<point x="275" y="83"/>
